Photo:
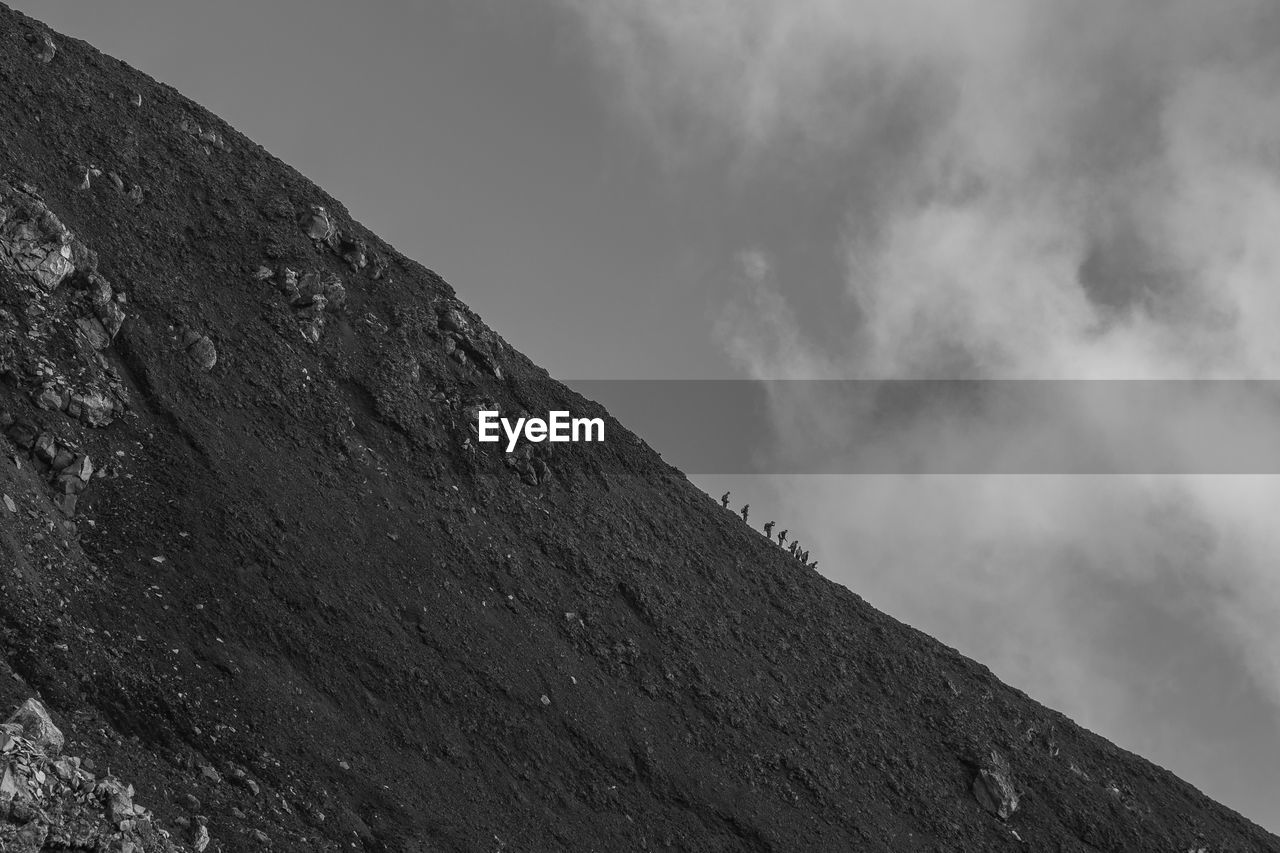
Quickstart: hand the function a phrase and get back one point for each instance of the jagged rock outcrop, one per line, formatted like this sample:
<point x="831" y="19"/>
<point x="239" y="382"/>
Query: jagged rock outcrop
<point x="994" y="788"/>
<point x="61" y="313"/>
<point x="52" y="802"/>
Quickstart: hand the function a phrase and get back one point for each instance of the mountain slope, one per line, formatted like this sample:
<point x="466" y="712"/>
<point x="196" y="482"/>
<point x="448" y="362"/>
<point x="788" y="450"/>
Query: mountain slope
<point x="256" y="557"/>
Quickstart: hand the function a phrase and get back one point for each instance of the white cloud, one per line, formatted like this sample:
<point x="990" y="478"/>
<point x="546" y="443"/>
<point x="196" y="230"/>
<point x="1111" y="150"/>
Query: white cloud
<point x="1061" y="190"/>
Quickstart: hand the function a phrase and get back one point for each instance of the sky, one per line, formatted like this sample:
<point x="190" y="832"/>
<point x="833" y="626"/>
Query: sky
<point x="883" y="189"/>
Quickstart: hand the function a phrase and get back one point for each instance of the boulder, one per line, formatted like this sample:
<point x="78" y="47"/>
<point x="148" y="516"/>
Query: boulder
<point x="33" y="241"/>
<point x="99" y="290"/>
<point x="354" y="251"/>
<point x="84" y="258"/>
<point x="994" y="790"/>
<point x="310" y="302"/>
<point x="317" y="224"/>
<point x="68" y="484"/>
<point x="203" y="352"/>
<point x="313" y="329"/>
<point x="38" y="727"/>
<point x="94" y="332"/>
<point x="111" y="316"/>
<point x="48" y="50"/>
<point x="321" y="291"/>
<point x="51" y="399"/>
<point x="8" y="785"/>
<point x="93" y="408"/>
<point x="453" y="321"/>
<point x="46" y="448"/>
<point x="335" y="294"/>
<point x="82" y="468"/>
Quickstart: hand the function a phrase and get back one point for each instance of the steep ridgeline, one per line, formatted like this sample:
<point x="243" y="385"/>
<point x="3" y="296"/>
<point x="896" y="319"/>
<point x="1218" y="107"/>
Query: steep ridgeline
<point x="254" y="561"/>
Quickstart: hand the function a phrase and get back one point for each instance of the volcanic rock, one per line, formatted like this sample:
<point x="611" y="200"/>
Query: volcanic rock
<point x="203" y="353"/>
<point x="316" y="223"/>
<point x="38" y="727"/>
<point x="993" y="787"/>
<point x="94" y="332"/>
<point x="33" y="241"/>
<point x="48" y="50"/>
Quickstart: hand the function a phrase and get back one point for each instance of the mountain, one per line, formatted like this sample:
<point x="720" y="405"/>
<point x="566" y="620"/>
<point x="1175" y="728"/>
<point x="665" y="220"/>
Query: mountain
<point x="254" y="561"/>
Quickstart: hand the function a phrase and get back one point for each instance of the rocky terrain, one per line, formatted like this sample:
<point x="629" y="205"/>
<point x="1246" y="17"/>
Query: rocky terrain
<point x="50" y="801"/>
<point x="254" y="563"/>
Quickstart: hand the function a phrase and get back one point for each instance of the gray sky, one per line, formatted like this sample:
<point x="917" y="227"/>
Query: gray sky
<point x="852" y="188"/>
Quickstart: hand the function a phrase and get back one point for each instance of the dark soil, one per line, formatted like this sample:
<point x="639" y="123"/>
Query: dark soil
<point x="405" y="641"/>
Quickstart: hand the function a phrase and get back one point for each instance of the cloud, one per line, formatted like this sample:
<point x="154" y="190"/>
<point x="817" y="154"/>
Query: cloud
<point x="1038" y="190"/>
<point x="760" y="328"/>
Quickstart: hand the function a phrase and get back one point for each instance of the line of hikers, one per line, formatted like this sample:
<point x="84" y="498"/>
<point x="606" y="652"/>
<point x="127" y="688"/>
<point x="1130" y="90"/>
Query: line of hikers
<point x="794" y="549"/>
